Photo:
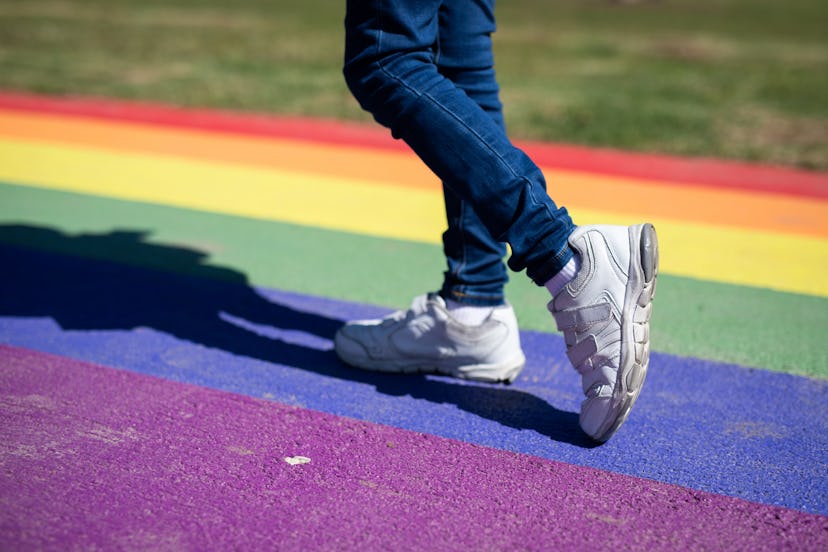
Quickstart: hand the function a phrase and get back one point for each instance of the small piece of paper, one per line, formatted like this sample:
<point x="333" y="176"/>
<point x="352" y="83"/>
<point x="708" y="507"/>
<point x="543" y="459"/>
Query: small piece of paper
<point x="294" y="460"/>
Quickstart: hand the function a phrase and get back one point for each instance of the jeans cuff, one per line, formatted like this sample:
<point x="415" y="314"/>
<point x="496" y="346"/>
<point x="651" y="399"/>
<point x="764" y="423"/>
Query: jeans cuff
<point x="470" y="298"/>
<point x="545" y="272"/>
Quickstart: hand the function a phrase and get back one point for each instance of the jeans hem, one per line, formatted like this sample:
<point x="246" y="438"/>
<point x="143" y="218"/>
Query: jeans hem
<point x="473" y="299"/>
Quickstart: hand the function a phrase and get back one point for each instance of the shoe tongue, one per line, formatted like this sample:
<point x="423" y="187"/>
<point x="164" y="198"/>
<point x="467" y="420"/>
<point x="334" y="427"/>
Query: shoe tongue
<point x="420" y="303"/>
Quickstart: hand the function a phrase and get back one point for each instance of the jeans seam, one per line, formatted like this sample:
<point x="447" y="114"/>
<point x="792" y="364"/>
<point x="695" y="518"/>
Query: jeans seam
<point x="561" y="252"/>
<point x="543" y="204"/>
<point x="480" y="139"/>
<point x="462" y="243"/>
<point x="470" y="130"/>
<point x="381" y="63"/>
<point x="380" y="27"/>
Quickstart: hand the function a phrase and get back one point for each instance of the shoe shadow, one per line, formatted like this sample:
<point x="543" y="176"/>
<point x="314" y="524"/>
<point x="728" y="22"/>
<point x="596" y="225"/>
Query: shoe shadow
<point x="120" y="281"/>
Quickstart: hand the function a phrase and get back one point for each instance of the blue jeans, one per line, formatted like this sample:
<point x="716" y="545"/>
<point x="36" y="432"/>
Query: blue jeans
<point x="425" y="70"/>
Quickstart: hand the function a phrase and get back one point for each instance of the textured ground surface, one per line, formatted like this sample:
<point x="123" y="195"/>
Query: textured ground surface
<point x="171" y="281"/>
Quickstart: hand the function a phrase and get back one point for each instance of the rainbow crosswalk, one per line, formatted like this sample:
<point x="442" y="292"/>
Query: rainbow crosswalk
<point x="167" y="269"/>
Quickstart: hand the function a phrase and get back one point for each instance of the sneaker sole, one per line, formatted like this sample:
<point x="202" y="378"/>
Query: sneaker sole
<point x="638" y="297"/>
<point x="505" y="372"/>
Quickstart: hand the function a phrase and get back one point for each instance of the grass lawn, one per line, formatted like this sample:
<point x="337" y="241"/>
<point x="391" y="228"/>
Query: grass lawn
<point x="741" y="79"/>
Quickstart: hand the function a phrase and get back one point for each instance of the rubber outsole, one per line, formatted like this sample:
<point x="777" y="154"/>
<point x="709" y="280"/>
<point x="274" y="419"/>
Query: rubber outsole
<point x="486" y="373"/>
<point x="474" y="373"/>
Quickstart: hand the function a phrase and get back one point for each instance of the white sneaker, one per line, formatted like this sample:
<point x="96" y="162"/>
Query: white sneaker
<point x="426" y="339"/>
<point x="604" y="313"/>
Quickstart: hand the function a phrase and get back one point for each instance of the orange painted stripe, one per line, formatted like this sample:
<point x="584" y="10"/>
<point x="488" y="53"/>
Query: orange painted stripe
<point x="577" y="190"/>
<point x="401" y="168"/>
<point x="720" y="207"/>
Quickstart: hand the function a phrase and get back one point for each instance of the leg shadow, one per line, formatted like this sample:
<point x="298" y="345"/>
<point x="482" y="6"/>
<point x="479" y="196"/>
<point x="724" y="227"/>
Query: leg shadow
<point x="119" y="281"/>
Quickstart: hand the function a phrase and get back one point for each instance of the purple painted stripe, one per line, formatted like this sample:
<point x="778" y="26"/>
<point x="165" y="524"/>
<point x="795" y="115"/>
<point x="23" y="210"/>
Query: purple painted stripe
<point x="95" y="457"/>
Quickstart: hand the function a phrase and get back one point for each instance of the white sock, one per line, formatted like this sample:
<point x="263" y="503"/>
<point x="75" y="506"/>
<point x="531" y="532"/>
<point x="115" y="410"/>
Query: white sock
<point x="470" y="315"/>
<point x="559" y="280"/>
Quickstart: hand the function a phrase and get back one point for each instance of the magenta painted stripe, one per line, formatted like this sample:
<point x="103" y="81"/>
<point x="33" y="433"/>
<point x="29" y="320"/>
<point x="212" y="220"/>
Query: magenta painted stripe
<point x="660" y="168"/>
<point x="95" y="457"/>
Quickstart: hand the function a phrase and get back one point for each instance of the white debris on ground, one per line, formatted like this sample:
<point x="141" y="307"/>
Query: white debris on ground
<point x="294" y="460"/>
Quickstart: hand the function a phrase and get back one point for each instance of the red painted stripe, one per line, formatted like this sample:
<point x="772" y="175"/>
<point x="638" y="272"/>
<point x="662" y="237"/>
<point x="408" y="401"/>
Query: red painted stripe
<point x="256" y="124"/>
<point x="682" y="170"/>
<point x="676" y="170"/>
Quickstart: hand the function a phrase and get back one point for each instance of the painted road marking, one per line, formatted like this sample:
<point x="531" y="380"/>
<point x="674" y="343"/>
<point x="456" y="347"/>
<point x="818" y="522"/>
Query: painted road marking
<point x="699" y="424"/>
<point x="694" y="318"/>
<point x="387" y="211"/>
<point x="577" y="189"/>
<point x="682" y="171"/>
<point x="160" y="466"/>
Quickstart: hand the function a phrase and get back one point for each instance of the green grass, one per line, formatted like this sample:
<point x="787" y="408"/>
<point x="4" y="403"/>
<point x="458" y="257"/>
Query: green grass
<point x="741" y="79"/>
<point x="730" y="80"/>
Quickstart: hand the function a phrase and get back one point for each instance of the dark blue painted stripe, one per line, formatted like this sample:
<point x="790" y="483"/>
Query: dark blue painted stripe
<point x="721" y="428"/>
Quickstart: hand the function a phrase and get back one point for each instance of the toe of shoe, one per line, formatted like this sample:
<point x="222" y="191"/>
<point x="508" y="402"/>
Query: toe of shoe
<point x="348" y="346"/>
<point x="596" y="414"/>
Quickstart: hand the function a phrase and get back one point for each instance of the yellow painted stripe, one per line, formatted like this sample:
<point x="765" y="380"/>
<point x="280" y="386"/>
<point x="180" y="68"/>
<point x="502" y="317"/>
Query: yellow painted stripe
<point x="289" y="196"/>
<point x="725" y="254"/>
<point x="734" y="255"/>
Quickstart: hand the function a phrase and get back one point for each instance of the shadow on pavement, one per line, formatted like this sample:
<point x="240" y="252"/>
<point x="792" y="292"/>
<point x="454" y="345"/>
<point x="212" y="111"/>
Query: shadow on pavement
<point x="119" y="281"/>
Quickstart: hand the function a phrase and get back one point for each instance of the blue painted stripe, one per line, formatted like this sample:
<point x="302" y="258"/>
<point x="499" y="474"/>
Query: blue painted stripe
<point x="720" y="428"/>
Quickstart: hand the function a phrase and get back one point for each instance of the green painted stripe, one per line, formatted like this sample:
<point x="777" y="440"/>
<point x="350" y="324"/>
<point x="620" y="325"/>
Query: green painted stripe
<point x="726" y="323"/>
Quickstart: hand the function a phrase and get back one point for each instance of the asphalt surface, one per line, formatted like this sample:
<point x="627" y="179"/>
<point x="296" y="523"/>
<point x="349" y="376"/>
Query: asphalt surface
<point x="167" y="378"/>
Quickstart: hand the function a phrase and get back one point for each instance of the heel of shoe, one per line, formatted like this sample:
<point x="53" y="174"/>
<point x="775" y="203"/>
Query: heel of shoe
<point x="504" y="372"/>
<point x="648" y="245"/>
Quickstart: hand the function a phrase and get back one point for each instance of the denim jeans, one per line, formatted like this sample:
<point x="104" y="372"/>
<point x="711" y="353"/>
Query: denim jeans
<point x="425" y="70"/>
